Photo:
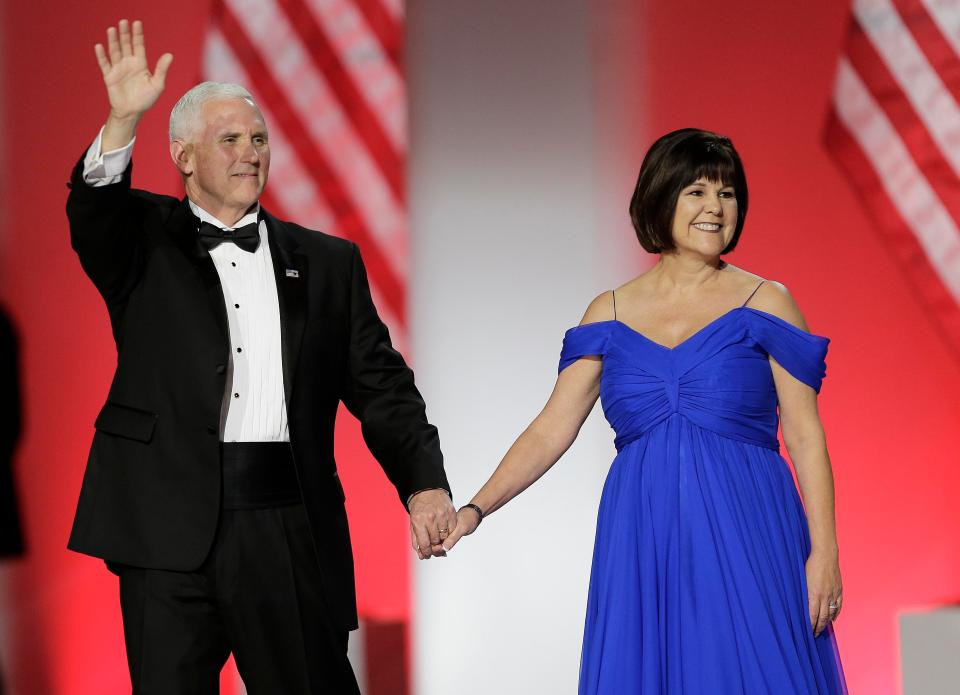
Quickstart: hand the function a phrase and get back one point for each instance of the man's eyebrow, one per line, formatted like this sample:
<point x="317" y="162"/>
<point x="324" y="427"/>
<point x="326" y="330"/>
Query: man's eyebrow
<point x="237" y="134"/>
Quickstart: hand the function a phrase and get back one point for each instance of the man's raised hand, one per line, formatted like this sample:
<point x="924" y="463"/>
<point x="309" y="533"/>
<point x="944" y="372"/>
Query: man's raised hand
<point x="131" y="88"/>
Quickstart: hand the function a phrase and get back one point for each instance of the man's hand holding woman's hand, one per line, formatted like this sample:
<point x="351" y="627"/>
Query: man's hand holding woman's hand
<point x="435" y="527"/>
<point x="432" y="520"/>
<point x="468" y="519"/>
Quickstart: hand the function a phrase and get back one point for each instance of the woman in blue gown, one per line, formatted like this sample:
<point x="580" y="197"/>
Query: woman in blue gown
<point x="709" y="576"/>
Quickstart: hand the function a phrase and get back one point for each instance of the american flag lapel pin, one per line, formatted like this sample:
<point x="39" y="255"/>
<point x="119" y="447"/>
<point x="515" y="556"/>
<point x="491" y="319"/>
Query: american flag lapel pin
<point x="291" y="273"/>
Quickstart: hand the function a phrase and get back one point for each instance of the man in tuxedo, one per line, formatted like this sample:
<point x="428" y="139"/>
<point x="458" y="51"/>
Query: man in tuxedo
<point x="211" y="488"/>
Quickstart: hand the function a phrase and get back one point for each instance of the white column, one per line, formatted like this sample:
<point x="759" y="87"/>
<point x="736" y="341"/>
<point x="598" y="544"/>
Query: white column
<point x="506" y="257"/>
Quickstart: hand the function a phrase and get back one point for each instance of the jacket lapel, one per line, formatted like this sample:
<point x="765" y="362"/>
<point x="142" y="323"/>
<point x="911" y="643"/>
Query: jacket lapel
<point x="290" y="267"/>
<point x="183" y="225"/>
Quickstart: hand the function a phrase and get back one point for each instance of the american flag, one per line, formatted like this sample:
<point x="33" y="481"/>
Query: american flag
<point x="328" y="78"/>
<point x="895" y="130"/>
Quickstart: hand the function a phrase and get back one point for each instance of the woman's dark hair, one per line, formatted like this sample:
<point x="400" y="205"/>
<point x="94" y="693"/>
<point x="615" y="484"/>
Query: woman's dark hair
<point x="673" y="162"/>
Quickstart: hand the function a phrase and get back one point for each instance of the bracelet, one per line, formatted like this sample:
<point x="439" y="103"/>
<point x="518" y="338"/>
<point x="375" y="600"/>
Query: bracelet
<point x="476" y="509"/>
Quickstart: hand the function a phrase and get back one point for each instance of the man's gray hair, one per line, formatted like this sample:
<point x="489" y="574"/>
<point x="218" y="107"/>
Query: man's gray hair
<point x="185" y="116"/>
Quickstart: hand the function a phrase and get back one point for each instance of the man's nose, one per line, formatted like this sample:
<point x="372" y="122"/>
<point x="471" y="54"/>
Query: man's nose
<point x="249" y="153"/>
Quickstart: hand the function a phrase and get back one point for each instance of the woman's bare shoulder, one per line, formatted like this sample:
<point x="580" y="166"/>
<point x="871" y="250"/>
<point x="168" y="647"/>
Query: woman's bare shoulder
<point x="600" y="309"/>
<point x="774" y="298"/>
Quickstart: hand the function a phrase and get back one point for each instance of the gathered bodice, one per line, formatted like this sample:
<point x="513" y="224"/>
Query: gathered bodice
<point x="719" y="378"/>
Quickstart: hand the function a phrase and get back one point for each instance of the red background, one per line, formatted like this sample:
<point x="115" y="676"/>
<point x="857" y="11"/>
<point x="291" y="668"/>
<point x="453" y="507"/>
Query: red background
<point x="760" y="72"/>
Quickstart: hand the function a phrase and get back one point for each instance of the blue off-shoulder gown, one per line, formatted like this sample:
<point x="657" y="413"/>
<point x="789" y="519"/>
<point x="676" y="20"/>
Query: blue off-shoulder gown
<point x="698" y="584"/>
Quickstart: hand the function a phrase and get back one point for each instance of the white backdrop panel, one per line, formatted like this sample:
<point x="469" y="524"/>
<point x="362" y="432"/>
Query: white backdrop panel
<point x="503" y="193"/>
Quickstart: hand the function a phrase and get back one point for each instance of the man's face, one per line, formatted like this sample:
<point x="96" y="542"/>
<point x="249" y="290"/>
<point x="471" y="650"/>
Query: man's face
<point x="227" y="161"/>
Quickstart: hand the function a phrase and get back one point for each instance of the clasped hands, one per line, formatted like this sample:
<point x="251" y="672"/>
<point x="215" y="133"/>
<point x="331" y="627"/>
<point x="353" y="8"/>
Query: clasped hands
<point x="435" y="526"/>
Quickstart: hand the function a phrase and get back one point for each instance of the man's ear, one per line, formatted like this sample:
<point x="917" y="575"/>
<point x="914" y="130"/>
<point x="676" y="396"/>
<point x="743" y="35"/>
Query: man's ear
<point x="182" y="155"/>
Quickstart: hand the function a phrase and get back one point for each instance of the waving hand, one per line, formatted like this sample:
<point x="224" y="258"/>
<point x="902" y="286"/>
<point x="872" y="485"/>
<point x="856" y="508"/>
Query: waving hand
<point x="131" y="88"/>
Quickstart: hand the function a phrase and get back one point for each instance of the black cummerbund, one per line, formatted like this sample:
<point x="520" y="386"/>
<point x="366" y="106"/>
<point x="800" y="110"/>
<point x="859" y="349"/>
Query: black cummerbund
<point x="258" y="475"/>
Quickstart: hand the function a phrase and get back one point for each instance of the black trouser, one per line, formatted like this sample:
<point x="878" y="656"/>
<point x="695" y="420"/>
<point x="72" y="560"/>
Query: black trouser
<point x="258" y="595"/>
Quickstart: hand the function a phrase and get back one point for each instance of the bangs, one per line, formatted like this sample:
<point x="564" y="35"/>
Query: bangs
<point x="713" y="162"/>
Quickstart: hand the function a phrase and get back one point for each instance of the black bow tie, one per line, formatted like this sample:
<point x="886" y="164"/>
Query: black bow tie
<point x="246" y="237"/>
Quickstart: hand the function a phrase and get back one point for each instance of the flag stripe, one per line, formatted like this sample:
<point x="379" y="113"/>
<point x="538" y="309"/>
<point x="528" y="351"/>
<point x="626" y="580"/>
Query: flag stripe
<point x="380" y="82"/>
<point x="272" y="38"/>
<point x="904" y="206"/>
<point x="366" y="124"/>
<point x="898" y="109"/>
<point x="895" y="131"/>
<point x="386" y="27"/>
<point x="920" y="82"/>
<point x="900" y="237"/>
<point x="349" y="220"/>
<point x="930" y="39"/>
<point x="905" y="185"/>
<point x="946" y="15"/>
<point x="394" y="9"/>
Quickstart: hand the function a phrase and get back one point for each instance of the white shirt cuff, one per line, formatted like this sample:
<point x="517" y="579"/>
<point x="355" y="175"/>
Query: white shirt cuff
<point x="105" y="168"/>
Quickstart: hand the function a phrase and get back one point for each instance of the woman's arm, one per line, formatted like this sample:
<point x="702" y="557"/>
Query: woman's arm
<point x="546" y="438"/>
<point x="806" y="444"/>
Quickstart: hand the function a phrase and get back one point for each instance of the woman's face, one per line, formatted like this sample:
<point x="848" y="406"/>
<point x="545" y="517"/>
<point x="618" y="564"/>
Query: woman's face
<point x="705" y="217"/>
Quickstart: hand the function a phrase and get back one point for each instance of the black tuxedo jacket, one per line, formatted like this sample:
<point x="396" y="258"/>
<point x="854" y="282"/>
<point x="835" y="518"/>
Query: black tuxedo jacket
<point x="151" y="491"/>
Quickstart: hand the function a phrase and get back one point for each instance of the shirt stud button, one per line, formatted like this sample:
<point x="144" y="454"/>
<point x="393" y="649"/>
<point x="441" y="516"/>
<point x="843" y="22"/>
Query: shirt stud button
<point x="236" y="395"/>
